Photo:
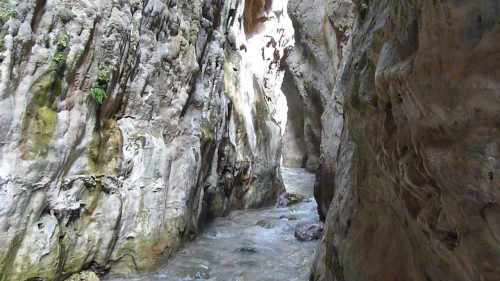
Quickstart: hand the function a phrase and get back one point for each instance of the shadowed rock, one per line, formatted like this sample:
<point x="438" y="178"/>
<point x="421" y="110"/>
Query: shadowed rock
<point x="308" y="231"/>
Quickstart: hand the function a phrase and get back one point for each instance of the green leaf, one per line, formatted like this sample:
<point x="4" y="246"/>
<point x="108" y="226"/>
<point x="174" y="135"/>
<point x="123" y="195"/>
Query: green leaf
<point x="98" y="94"/>
<point x="62" y="44"/>
<point x="103" y="76"/>
<point x="58" y="58"/>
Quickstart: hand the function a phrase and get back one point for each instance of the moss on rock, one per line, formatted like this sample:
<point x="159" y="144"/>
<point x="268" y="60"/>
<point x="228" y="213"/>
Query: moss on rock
<point x="105" y="152"/>
<point x="40" y="121"/>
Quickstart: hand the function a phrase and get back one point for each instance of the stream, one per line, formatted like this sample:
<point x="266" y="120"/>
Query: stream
<point x="236" y="248"/>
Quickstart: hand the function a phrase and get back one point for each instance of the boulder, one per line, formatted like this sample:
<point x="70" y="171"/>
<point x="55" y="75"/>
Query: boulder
<point x="308" y="231"/>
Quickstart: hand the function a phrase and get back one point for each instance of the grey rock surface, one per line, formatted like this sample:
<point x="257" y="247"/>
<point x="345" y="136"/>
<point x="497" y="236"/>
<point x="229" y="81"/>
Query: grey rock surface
<point x="295" y="153"/>
<point x="323" y="41"/>
<point x="308" y="231"/>
<point x="407" y="179"/>
<point x="325" y="30"/>
<point x="83" y="276"/>
<point x="125" y="123"/>
<point x="288" y="199"/>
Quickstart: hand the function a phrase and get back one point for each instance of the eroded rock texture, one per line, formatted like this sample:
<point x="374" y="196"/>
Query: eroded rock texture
<point x="260" y="36"/>
<point x="411" y="158"/>
<point x="120" y="185"/>
<point x="323" y="39"/>
<point x="294" y="146"/>
<point x="324" y="33"/>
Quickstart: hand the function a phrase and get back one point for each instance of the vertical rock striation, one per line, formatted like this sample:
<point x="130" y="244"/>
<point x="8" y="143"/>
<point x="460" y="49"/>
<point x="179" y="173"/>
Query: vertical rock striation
<point x="260" y="36"/>
<point x="125" y="123"/>
<point x="323" y="39"/>
<point x="410" y="140"/>
<point x="324" y="34"/>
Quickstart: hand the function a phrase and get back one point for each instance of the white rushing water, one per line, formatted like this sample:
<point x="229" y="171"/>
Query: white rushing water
<point x="236" y="248"/>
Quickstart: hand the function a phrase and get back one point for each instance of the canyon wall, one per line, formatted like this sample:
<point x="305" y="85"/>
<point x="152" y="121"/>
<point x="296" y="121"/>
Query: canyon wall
<point x="323" y="39"/>
<point x="324" y="34"/>
<point x="126" y="123"/>
<point x="408" y="177"/>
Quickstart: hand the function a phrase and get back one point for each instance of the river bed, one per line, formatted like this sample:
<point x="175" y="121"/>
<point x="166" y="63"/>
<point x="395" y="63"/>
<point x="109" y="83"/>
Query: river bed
<point x="237" y="248"/>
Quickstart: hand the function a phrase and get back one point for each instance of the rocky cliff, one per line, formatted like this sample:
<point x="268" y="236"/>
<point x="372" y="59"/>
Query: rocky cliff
<point x="324" y="34"/>
<point x="409" y="149"/>
<point x="125" y="123"/>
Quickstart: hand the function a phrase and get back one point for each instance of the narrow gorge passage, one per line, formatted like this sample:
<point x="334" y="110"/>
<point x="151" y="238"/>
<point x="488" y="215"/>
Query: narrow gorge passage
<point x="250" y="245"/>
<point x="129" y="125"/>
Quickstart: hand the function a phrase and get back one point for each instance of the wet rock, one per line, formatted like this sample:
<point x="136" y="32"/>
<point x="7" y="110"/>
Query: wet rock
<point x="247" y="249"/>
<point x="289" y="217"/>
<point x="288" y="199"/>
<point x="265" y="223"/>
<point x="308" y="231"/>
<point x="195" y="272"/>
<point x="84" y="276"/>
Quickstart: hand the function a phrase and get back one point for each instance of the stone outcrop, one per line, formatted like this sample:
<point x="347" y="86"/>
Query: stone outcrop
<point x="324" y="34"/>
<point x="259" y="35"/>
<point x="410" y="135"/>
<point x="294" y="146"/>
<point x="308" y="231"/>
<point x="125" y="123"/>
<point x="313" y="67"/>
<point x="83" y="276"/>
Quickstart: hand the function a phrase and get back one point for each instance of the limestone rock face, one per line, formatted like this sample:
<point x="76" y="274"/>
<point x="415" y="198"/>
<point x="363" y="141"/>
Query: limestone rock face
<point x="294" y="146"/>
<point x="259" y="35"/>
<point x="324" y="34"/>
<point x="411" y="152"/>
<point x="122" y="129"/>
<point x="323" y="41"/>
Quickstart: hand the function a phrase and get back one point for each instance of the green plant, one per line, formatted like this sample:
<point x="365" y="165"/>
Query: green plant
<point x="62" y="44"/>
<point x="103" y="76"/>
<point x="11" y="13"/>
<point x="98" y="94"/>
<point x="58" y="58"/>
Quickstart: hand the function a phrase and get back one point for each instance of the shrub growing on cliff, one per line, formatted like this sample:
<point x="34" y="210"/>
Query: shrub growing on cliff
<point x="103" y="76"/>
<point x="61" y="51"/>
<point x="62" y="44"/>
<point x="98" y="94"/>
<point x="58" y="58"/>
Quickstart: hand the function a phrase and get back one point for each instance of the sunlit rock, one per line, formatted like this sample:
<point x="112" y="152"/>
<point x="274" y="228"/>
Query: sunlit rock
<point x="127" y="123"/>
